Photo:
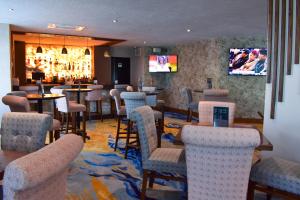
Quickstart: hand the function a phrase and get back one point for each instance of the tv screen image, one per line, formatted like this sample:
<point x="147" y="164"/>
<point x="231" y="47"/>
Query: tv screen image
<point x="163" y="63"/>
<point x="248" y="61"/>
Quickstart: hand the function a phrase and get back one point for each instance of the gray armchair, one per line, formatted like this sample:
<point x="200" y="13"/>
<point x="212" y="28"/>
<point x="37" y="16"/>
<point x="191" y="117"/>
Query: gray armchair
<point x="22" y="133"/>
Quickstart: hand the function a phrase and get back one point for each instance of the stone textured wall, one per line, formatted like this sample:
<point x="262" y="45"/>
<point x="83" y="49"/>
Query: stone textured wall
<point x="209" y="59"/>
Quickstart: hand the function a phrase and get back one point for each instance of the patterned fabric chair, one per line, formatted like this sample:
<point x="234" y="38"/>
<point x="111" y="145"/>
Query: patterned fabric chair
<point x="218" y="161"/>
<point x="21" y="104"/>
<point x="42" y="174"/>
<point x="134" y="100"/>
<point x="191" y="106"/>
<point x="121" y="87"/>
<point x="156" y="160"/>
<point x="216" y="92"/>
<point x="206" y="111"/>
<point x="121" y="113"/>
<point x="22" y="133"/>
<point x="275" y="176"/>
<point x="69" y="107"/>
<point x="94" y="96"/>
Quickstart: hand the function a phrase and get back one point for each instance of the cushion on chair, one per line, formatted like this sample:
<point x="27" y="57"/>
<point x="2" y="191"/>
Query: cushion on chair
<point x="277" y="173"/>
<point x="75" y="107"/>
<point x="8" y="156"/>
<point x="167" y="160"/>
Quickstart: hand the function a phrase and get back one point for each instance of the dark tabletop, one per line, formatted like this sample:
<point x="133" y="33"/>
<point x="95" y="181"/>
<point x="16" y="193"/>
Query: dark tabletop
<point x="43" y="97"/>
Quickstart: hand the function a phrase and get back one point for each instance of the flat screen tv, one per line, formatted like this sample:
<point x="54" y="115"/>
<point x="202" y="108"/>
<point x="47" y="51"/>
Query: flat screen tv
<point x="248" y="61"/>
<point x="163" y="63"/>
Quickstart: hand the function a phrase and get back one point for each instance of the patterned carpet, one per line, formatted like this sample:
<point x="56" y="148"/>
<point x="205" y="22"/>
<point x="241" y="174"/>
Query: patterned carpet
<point x="101" y="173"/>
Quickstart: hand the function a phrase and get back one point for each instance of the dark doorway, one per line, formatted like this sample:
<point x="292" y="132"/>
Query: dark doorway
<point x="120" y="70"/>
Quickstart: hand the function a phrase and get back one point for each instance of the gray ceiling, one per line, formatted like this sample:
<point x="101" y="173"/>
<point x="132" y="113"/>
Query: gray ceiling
<point x="159" y="22"/>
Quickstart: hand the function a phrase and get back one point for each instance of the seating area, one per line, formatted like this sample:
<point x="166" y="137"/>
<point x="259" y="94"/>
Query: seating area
<point x="116" y="100"/>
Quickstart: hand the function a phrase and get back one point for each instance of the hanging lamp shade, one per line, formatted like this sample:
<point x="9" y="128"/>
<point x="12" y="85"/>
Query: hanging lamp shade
<point x="39" y="49"/>
<point x="64" y="50"/>
<point x="87" y="52"/>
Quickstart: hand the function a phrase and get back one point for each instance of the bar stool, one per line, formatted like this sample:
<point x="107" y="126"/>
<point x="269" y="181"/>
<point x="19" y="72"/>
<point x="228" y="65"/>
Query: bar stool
<point x="21" y="104"/>
<point x="134" y="100"/>
<point x="121" y="113"/>
<point x="94" y="96"/>
<point x="190" y="104"/>
<point x="70" y="109"/>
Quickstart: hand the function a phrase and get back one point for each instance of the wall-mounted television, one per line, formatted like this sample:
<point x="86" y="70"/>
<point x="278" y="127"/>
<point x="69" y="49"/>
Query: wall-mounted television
<point x="248" y="61"/>
<point x="163" y="63"/>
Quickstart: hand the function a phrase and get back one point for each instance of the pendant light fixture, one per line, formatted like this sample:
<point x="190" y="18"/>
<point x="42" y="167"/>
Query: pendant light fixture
<point x="39" y="48"/>
<point x="64" y="49"/>
<point x="87" y="51"/>
<point x="106" y="54"/>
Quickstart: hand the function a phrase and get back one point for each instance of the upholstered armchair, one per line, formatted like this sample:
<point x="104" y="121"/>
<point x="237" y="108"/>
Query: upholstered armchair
<point x="206" y="111"/>
<point x="17" y="93"/>
<point x="22" y="133"/>
<point x="218" y="161"/>
<point x="216" y="92"/>
<point x="21" y="104"/>
<point x="42" y="174"/>
<point x="156" y="161"/>
<point x="190" y="104"/>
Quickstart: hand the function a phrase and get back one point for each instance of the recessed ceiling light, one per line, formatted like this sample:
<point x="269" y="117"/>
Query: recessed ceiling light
<point x="188" y="30"/>
<point x="79" y="28"/>
<point x="51" y="25"/>
<point x="11" y="9"/>
<point x="145" y="42"/>
<point x="115" y="21"/>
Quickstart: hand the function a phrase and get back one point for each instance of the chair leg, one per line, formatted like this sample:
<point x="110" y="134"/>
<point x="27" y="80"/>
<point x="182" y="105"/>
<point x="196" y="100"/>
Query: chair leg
<point x="56" y="135"/>
<point x="100" y="107"/>
<point x="127" y="138"/>
<point x="50" y="136"/>
<point x="250" y="193"/>
<point x="84" y="126"/>
<point x="159" y="133"/>
<point x="74" y="125"/>
<point x="87" y="105"/>
<point x="67" y="122"/>
<point x="188" y="115"/>
<point x="118" y="133"/>
<point x="151" y="180"/>
<point x="144" y="185"/>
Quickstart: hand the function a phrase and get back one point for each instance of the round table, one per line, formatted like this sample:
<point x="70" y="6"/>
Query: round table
<point x="40" y="98"/>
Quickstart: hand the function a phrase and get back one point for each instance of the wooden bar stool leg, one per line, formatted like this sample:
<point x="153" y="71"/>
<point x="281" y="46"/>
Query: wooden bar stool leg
<point x="127" y="138"/>
<point x="250" y="193"/>
<point x="101" y="114"/>
<point x="84" y="125"/>
<point x="151" y="180"/>
<point x="50" y="136"/>
<point x="118" y="133"/>
<point x="74" y="125"/>
<point x="188" y="115"/>
<point x="88" y="110"/>
<point x="67" y="122"/>
<point x="144" y="185"/>
<point x="56" y="135"/>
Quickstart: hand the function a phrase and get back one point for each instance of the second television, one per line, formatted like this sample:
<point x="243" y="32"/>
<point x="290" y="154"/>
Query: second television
<point x="163" y="63"/>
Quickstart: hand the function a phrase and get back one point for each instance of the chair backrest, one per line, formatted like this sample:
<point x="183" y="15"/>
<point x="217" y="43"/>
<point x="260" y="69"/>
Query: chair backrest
<point x="206" y="111"/>
<point x="16" y="103"/>
<point x="133" y="100"/>
<point x="187" y="94"/>
<point x="120" y="87"/>
<point x="31" y="89"/>
<point x="42" y="174"/>
<point x="218" y="161"/>
<point x="62" y="104"/>
<point x="129" y="88"/>
<point x="95" y="94"/>
<point x="24" y="132"/>
<point x="144" y="118"/>
<point x="216" y="92"/>
<point x="148" y="89"/>
<point x="116" y="95"/>
<point x="17" y="93"/>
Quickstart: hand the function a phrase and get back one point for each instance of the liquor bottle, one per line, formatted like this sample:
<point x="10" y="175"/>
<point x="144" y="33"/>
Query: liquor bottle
<point x="73" y="67"/>
<point x="69" y="66"/>
<point x="65" y="68"/>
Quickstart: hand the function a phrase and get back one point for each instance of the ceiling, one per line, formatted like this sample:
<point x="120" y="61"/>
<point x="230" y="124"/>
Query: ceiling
<point x="158" y="22"/>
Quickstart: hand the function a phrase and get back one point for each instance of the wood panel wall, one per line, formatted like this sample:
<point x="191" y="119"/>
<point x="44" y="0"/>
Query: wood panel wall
<point x="283" y="44"/>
